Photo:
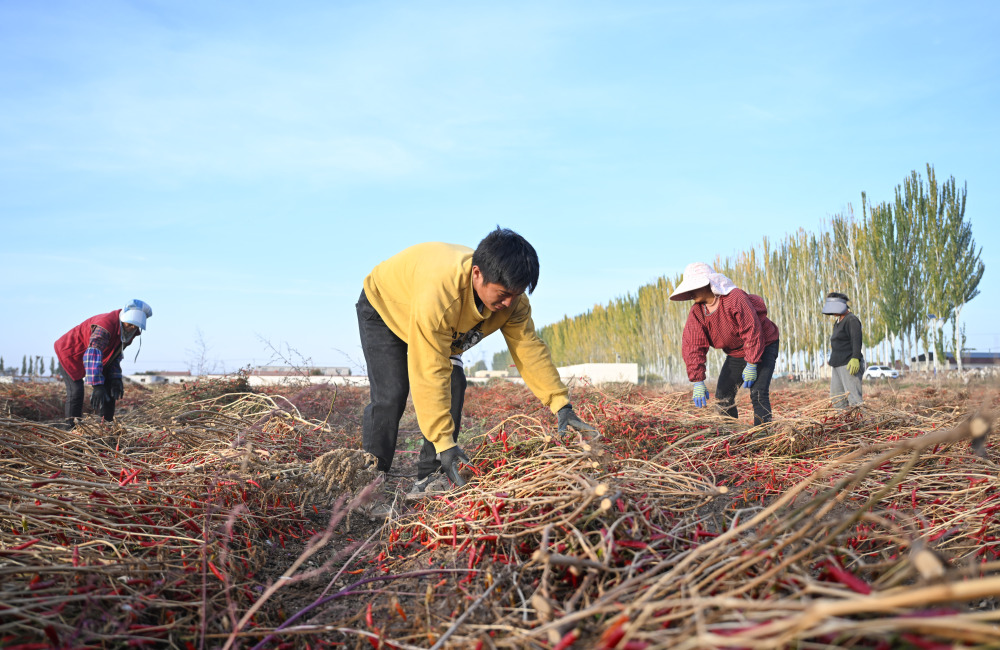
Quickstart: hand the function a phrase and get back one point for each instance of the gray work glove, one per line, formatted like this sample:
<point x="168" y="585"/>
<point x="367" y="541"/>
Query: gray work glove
<point x="450" y="459"/>
<point x="116" y="388"/>
<point x="567" y="418"/>
<point x="97" y="399"/>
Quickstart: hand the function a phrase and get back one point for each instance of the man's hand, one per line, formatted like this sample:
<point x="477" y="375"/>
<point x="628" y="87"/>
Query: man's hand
<point x="450" y="459"/>
<point x="97" y="399"/>
<point x="749" y="375"/>
<point x="700" y="394"/>
<point x="567" y="418"/>
<point x="853" y="366"/>
<point x="116" y="388"/>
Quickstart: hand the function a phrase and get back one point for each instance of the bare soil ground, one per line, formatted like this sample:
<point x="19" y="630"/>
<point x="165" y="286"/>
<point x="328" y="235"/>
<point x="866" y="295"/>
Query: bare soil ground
<point x="601" y="542"/>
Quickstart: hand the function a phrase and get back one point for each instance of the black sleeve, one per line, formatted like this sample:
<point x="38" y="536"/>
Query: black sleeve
<point x="854" y="329"/>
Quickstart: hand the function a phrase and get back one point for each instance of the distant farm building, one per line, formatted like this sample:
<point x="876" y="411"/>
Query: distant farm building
<point x="590" y="373"/>
<point x="161" y="377"/>
<point x="970" y="360"/>
<point x="304" y="371"/>
<point x="601" y="373"/>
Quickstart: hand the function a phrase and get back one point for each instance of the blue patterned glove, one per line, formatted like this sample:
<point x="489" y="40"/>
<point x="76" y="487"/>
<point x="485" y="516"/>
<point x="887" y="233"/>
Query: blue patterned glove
<point x="700" y="394"/>
<point x="749" y="375"/>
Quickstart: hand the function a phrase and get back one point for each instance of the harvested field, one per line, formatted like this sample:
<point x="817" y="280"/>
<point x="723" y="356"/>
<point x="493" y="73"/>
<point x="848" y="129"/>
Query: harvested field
<point x="211" y="516"/>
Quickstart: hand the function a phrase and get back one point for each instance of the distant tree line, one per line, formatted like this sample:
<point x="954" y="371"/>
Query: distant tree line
<point x="909" y="266"/>
<point x="33" y="366"/>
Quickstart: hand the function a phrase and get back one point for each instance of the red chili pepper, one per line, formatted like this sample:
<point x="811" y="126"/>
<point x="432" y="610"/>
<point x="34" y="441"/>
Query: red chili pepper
<point x="567" y="640"/>
<point x="924" y="644"/>
<point x="368" y="616"/>
<point x="128" y="477"/>
<point x="24" y="545"/>
<point x="496" y="515"/>
<point x="218" y="574"/>
<point x="848" y="579"/>
<point x="611" y="636"/>
<point x="627" y="543"/>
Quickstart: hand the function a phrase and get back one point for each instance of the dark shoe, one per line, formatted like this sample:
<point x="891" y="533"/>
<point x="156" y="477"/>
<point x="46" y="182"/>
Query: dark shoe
<point x="381" y="511"/>
<point x="428" y="486"/>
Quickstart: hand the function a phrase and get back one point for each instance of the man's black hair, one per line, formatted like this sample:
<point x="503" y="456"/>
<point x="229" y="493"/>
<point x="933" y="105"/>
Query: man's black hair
<point x="506" y="258"/>
<point x="836" y="294"/>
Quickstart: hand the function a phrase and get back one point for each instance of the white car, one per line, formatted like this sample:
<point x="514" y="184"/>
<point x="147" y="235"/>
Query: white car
<point x="876" y="372"/>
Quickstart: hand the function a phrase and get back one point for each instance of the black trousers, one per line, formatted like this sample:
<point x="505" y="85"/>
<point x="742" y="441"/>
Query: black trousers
<point x="74" y="400"/>
<point x="731" y="378"/>
<point x="389" y="385"/>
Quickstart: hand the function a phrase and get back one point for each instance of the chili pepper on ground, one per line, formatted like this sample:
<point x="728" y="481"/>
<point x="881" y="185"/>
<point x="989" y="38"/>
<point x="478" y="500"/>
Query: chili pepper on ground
<point x="567" y="640"/>
<point x="611" y="636"/>
<point x="848" y="579"/>
<point x="218" y="574"/>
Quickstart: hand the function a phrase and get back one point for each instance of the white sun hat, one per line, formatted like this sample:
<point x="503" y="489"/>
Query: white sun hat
<point x="698" y="275"/>
<point x="834" y="306"/>
<point x="135" y="313"/>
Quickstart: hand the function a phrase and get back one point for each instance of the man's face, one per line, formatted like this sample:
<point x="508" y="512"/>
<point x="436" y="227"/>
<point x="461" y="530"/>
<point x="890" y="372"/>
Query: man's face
<point x="495" y="296"/>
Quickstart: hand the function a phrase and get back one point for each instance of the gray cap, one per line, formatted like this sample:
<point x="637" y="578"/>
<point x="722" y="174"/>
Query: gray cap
<point x="835" y="306"/>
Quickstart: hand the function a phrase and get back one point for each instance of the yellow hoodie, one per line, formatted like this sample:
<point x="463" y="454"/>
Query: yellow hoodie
<point x="425" y="295"/>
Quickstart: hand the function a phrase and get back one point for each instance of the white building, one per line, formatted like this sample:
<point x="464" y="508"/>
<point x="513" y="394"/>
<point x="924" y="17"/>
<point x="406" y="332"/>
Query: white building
<point x="593" y="373"/>
<point x="600" y="373"/>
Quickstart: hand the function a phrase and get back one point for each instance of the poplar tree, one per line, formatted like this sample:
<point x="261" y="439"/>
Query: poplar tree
<point x="905" y="259"/>
<point x="933" y="204"/>
<point x="965" y="267"/>
<point x="502" y="360"/>
<point x="893" y="244"/>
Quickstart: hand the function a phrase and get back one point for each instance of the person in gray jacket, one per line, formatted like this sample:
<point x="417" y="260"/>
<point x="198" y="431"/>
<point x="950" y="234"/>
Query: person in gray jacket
<point x="845" y="352"/>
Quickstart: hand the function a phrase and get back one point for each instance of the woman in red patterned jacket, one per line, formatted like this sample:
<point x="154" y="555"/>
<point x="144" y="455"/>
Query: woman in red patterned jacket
<point x="91" y="353"/>
<point x="724" y="316"/>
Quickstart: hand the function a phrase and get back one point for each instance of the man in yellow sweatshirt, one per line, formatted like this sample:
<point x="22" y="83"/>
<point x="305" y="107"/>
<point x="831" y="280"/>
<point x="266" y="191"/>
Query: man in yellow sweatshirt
<point x="419" y="311"/>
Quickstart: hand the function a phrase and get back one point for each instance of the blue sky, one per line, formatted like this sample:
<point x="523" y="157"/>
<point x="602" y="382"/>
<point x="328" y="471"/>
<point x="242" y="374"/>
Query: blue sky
<point x="242" y="166"/>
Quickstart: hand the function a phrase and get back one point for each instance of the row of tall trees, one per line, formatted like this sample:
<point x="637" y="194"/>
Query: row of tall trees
<point x="33" y="366"/>
<point x="909" y="265"/>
